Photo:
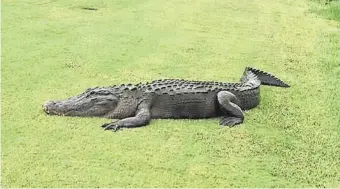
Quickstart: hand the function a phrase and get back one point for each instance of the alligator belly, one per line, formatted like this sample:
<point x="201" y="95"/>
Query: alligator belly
<point x="184" y="106"/>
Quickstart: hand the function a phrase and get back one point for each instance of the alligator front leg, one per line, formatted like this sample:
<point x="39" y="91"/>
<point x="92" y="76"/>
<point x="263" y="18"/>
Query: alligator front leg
<point x="228" y="104"/>
<point x="142" y="118"/>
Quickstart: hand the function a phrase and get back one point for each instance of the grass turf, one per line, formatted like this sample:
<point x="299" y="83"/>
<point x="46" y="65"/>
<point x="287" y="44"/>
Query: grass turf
<point x="56" y="49"/>
<point x="332" y="11"/>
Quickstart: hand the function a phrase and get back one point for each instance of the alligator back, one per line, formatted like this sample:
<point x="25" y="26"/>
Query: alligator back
<point x="197" y="99"/>
<point x="179" y="98"/>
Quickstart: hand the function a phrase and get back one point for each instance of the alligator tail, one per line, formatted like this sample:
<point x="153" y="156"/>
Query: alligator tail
<point x="264" y="77"/>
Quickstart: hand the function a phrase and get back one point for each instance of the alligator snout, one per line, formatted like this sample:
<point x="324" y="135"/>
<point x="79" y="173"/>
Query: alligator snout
<point x="47" y="106"/>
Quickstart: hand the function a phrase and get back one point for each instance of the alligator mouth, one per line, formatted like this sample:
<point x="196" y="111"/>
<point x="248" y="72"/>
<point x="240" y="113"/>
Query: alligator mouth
<point x="49" y="108"/>
<point x="46" y="109"/>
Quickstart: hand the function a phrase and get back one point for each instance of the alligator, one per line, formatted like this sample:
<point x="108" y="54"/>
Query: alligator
<point x="134" y="105"/>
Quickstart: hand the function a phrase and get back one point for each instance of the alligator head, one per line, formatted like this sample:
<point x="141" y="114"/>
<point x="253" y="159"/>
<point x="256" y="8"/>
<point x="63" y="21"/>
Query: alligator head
<point x="94" y="102"/>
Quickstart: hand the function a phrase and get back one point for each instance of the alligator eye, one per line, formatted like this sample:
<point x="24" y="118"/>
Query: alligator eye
<point x="90" y="93"/>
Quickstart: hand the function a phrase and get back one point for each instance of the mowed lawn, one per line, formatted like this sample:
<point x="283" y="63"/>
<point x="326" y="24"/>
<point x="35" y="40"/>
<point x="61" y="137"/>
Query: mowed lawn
<point x="56" y="49"/>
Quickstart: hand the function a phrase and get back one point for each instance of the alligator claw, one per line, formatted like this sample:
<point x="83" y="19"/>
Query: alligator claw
<point x="111" y="126"/>
<point x="116" y="128"/>
<point x="230" y="121"/>
<point x="105" y="125"/>
<point x="108" y="127"/>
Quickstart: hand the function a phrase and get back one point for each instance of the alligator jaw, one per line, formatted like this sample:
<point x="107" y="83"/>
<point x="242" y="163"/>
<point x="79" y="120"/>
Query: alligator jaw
<point x="94" y="102"/>
<point x="48" y="108"/>
<point x="45" y="107"/>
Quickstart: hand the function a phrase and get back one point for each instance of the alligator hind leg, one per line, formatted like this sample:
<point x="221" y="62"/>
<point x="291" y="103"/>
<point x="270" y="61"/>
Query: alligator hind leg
<point x="229" y="105"/>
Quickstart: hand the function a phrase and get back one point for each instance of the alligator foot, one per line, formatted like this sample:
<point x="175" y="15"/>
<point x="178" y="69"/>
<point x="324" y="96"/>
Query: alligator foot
<point x="106" y="124"/>
<point x="111" y="126"/>
<point x="231" y="121"/>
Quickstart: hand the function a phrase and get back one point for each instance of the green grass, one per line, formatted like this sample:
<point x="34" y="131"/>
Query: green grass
<point x="55" y="49"/>
<point x="332" y="11"/>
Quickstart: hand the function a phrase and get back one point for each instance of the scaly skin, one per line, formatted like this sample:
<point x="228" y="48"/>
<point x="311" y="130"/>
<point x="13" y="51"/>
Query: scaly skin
<point x="136" y="105"/>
